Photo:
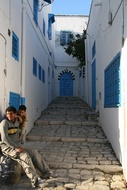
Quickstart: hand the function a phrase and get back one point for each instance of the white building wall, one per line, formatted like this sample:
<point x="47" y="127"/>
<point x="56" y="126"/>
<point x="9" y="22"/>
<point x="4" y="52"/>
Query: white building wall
<point x="108" y="38"/>
<point x="17" y="16"/>
<point x="76" y="24"/>
<point x="10" y="13"/>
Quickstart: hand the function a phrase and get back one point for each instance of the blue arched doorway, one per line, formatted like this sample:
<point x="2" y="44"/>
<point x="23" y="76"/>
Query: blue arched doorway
<point x="66" y="84"/>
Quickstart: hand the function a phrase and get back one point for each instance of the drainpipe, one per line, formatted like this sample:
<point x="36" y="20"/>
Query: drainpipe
<point x="22" y="52"/>
<point x="5" y="71"/>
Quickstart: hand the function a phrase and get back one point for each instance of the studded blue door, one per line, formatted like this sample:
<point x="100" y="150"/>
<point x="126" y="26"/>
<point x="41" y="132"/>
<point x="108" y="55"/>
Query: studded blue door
<point x="14" y="100"/>
<point x="94" y="84"/>
<point x="66" y="85"/>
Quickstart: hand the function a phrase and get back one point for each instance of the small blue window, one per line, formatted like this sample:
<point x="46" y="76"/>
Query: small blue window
<point x="39" y="72"/>
<point x="34" y="67"/>
<point x="43" y="76"/>
<point x="52" y="74"/>
<point x="44" y="27"/>
<point x="51" y="20"/>
<point x="64" y="37"/>
<point x="112" y="82"/>
<point x="15" y="46"/>
<point x="93" y="50"/>
<point x="35" y="11"/>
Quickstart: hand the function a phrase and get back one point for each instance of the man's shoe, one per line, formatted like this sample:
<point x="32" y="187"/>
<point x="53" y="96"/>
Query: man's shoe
<point x="39" y="183"/>
<point x="49" y="174"/>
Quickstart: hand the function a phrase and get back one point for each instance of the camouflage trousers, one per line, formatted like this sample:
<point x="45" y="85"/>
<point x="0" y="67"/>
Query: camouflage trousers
<point x="30" y="160"/>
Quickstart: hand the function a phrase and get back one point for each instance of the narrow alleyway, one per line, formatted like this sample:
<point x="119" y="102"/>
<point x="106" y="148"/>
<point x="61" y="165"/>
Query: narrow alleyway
<point x="75" y="147"/>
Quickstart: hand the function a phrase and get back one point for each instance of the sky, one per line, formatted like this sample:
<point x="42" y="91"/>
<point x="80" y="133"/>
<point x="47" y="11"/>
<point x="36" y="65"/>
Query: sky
<point x="71" y="7"/>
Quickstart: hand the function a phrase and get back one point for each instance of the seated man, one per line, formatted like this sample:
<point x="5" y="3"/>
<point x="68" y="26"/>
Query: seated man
<point x="27" y="157"/>
<point x="23" y="118"/>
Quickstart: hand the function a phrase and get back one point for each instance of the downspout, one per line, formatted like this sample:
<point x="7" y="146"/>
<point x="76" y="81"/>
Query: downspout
<point x="5" y="71"/>
<point x="22" y="100"/>
<point x="21" y="70"/>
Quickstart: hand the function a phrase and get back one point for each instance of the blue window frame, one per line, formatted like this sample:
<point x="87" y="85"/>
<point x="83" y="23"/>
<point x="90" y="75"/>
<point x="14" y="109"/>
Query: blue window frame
<point x="44" y="28"/>
<point x="34" y="67"/>
<point x="112" y="83"/>
<point x="51" y="20"/>
<point x="35" y="11"/>
<point x="43" y="76"/>
<point x="39" y="72"/>
<point x="64" y="37"/>
<point x="94" y="50"/>
<point x="15" y="46"/>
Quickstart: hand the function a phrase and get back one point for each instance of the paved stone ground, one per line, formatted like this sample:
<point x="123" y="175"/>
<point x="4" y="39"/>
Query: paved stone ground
<point x="75" y="147"/>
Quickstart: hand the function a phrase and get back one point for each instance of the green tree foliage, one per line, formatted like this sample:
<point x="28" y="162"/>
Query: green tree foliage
<point x="76" y="47"/>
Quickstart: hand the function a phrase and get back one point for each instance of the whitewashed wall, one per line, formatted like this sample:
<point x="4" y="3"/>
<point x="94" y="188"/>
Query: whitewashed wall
<point x="109" y="39"/>
<point x="76" y="24"/>
<point x="17" y="16"/>
<point x="9" y="67"/>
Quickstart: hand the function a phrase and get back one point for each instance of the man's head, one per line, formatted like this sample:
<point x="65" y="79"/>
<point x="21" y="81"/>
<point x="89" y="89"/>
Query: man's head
<point x="22" y="110"/>
<point x="11" y="113"/>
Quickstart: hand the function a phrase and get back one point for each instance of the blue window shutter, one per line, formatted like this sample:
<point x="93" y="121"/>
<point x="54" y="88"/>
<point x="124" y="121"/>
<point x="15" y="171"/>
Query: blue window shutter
<point x="15" y="46"/>
<point x="39" y="72"/>
<point x="112" y="83"/>
<point x="34" y="67"/>
<point x="94" y="50"/>
<point x="43" y="76"/>
<point x="51" y="20"/>
<point x="94" y="84"/>
<point x="23" y="99"/>
<point x="49" y="30"/>
<point x="44" y="27"/>
<point x="14" y="100"/>
<point x="35" y="11"/>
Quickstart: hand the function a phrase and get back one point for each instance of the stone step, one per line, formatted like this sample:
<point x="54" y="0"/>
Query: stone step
<point x="64" y="139"/>
<point x="107" y="169"/>
<point x="69" y="133"/>
<point x="61" y="121"/>
<point x="79" y="155"/>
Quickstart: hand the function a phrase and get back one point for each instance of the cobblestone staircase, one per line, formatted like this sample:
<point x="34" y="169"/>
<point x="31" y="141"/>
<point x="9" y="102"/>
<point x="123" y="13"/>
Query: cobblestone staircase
<point x="75" y="147"/>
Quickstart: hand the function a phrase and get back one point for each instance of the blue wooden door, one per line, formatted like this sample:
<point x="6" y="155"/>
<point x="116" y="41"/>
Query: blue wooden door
<point x="66" y="85"/>
<point x="14" y="100"/>
<point x="94" y="84"/>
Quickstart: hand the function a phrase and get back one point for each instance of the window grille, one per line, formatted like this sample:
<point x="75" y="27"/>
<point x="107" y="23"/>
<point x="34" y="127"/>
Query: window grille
<point x="64" y="37"/>
<point x="112" y="83"/>
<point x="15" y="46"/>
<point x="34" y="67"/>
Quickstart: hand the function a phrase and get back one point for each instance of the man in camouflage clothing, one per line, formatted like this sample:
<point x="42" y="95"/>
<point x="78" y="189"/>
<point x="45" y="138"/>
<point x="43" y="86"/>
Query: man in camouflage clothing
<point x="27" y="157"/>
